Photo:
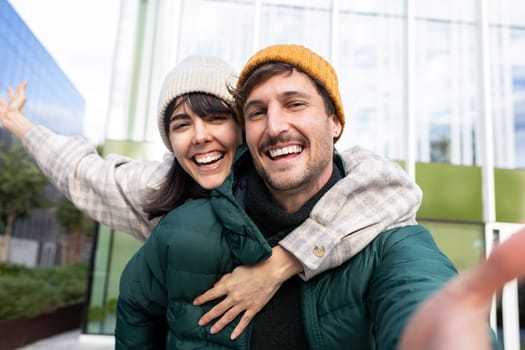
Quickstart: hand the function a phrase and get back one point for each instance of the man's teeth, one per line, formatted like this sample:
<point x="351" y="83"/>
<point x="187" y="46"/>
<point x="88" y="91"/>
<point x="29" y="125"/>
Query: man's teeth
<point x="208" y="159"/>
<point x="285" y="150"/>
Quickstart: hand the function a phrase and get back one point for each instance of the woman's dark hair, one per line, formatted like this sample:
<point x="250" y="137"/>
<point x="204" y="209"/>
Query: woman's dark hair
<point x="267" y="71"/>
<point x="178" y="187"/>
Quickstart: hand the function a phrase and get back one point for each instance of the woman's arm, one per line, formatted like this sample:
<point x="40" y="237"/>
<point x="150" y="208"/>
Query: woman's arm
<point x="375" y="195"/>
<point x="110" y="190"/>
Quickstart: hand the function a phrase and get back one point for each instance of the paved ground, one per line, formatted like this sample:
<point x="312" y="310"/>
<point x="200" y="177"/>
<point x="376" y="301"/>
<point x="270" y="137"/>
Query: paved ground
<point x="72" y="341"/>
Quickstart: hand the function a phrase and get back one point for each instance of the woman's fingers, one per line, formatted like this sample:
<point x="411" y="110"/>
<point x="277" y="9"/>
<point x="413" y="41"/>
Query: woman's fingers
<point x="215" y="312"/>
<point x="228" y="317"/>
<point x="10" y="93"/>
<point x="243" y="323"/>
<point x="21" y="92"/>
<point x="217" y="291"/>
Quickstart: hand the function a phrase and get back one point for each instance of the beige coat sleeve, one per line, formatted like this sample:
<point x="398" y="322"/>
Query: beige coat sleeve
<point x="110" y="190"/>
<point x="375" y="195"/>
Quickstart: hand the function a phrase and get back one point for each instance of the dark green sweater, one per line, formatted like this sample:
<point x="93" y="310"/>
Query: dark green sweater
<point x="279" y="324"/>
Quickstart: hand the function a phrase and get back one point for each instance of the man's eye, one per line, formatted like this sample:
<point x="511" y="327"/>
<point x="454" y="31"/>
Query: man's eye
<point x="255" y="114"/>
<point x="296" y="104"/>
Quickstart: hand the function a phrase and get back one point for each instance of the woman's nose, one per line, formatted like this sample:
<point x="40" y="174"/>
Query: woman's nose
<point x="201" y="132"/>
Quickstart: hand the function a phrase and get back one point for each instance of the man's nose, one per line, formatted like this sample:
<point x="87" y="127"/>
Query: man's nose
<point x="276" y="121"/>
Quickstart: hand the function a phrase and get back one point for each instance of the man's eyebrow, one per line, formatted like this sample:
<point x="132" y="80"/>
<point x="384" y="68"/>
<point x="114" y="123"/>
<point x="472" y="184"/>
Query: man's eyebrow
<point x="283" y="95"/>
<point x="253" y="103"/>
<point x="295" y="93"/>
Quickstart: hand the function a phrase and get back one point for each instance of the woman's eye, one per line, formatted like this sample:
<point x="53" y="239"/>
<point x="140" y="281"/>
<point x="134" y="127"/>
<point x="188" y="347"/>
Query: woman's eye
<point x="219" y="117"/>
<point x="179" y="126"/>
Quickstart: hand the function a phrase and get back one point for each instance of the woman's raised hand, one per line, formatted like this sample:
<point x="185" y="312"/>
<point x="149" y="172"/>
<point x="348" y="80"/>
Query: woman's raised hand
<point x="11" y="116"/>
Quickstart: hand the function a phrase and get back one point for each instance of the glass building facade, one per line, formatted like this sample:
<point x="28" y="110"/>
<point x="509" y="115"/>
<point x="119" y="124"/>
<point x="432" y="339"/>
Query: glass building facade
<point x="52" y="101"/>
<point x="436" y="86"/>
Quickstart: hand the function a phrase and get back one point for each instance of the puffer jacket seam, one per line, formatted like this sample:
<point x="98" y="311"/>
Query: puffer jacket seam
<point x="310" y="318"/>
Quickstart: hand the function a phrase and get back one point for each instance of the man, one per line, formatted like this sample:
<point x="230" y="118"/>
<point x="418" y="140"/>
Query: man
<point x="292" y="114"/>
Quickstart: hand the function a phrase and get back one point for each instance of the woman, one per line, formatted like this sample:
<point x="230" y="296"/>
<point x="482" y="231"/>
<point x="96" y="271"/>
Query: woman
<point x="125" y="194"/>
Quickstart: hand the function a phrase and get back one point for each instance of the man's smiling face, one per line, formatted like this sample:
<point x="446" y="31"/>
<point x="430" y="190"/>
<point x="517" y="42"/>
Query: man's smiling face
<point x="290" y="137"/>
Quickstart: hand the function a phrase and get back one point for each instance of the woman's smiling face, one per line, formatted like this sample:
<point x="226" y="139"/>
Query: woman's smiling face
<point x="204" y="145"/>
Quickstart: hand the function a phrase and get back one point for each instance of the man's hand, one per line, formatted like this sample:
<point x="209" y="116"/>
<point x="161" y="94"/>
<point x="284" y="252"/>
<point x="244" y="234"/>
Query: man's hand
<point x="248" y="289"/>
<point x="11" y="116"/>
<point x="457" y="316"/>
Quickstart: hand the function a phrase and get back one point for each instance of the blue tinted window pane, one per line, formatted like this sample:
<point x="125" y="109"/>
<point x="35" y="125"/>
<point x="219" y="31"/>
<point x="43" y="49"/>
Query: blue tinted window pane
<point x="24" y="58"/>
<point x="210" y="39"/>
<point x="370" y="67"/>
<point x="507" y="12"/>
<point x="508" y="94"/>
<point x="299" y="24"/>
<point x="446" y="91"/>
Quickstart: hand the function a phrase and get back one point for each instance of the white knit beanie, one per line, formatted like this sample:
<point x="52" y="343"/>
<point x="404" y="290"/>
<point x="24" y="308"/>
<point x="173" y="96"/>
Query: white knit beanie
<point x="195" y="73"/>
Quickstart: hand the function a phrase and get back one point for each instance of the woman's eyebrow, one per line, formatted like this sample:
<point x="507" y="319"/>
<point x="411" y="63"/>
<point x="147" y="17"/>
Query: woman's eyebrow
<point x="179" y="116"/>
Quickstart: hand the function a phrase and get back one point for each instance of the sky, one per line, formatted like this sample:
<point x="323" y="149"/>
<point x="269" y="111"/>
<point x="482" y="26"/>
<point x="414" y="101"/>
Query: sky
<point x="80" y="35"/>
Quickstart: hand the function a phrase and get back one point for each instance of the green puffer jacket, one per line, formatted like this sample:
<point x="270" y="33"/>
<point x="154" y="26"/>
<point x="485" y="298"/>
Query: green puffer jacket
<point x="363" y="304"/>
<point x="187" y="252"/>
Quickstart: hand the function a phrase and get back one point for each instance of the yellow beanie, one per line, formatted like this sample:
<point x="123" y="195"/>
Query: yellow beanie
<point x="307" y="61"/>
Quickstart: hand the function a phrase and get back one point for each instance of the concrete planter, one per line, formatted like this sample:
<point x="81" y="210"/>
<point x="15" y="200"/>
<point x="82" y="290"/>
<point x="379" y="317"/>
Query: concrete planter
<point x="21" y="331"/>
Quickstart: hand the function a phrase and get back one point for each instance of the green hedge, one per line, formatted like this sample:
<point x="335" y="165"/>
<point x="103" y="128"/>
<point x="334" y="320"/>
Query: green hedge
<point x="30" y="292"/>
